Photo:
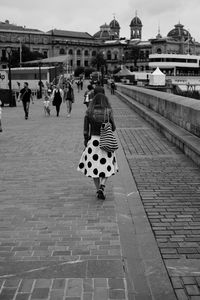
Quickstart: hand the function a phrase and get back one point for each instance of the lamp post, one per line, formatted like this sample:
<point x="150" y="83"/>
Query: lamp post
<point x="103" y="69"/>
<point x="12" y="101"/>
<point x="40" y="81"/>
<point x="20" y="51"/>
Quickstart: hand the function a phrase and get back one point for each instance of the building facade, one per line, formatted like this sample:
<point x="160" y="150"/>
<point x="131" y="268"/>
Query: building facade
<point x="80" y="47"/>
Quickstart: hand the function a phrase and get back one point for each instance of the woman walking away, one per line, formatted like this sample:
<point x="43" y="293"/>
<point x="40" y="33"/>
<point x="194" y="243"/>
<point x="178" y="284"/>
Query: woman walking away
<point x="57" y="97"/>
<point x="68" y="97"/>
<point x="94" y="162"/>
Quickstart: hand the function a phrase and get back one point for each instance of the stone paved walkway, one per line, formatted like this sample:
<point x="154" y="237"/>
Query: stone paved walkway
<point x="169" y="186"/>
<point x="58" y="242"/>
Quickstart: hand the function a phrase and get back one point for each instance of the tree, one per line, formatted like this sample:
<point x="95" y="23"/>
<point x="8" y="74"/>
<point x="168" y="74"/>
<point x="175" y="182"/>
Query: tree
<point x="98" y="61"/>
<point x="88" y="71"/>
<point x="78" y="71"/>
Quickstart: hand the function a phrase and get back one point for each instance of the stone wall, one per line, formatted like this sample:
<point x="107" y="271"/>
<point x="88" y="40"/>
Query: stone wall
<point x="185" y="112"/>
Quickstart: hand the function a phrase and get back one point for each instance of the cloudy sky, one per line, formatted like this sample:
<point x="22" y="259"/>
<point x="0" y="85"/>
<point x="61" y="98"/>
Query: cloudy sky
<point x="88" y="15"/>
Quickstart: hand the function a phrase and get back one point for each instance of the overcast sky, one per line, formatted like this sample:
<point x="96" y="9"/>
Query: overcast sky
<point x="88" y="15"/>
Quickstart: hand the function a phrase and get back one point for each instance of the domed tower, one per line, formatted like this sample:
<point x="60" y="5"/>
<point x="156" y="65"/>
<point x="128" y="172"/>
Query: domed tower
<point x="136" y="28"/>
<point x="179" y="33"/>
<point x="114" y="27"/>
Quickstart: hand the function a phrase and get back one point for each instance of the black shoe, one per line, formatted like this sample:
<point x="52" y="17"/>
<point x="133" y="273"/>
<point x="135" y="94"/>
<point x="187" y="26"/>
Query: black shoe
<point x="100" y="192"/>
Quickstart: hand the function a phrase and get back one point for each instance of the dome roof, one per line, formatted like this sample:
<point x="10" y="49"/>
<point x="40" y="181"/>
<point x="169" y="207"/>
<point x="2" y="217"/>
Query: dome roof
<point x="114" y="24"/>
<point x="179" y="32"/>
<point x="136" y="22"/>
<point x="105" y="35"/>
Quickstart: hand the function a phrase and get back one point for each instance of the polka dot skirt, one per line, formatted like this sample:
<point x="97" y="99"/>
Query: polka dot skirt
<point x="95" y="162"/>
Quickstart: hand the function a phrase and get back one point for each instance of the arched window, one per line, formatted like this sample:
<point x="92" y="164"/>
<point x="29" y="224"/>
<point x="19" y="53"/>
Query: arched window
<point x="109" y="55"/>
<point x="159" y="51"/>
<point x="86" y="53"/>
<point x="70" y="52"/>
<point x="94" y="53"/>
<point x="115" y="56"/>
<point x="62" y="51"/>
<point x="78" y="52"/>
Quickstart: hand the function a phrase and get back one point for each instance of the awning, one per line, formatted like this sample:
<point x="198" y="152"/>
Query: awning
<point x="48" y="61"/>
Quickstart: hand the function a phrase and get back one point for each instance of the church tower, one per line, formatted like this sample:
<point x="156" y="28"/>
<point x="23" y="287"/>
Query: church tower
<point x="136" y="28"/>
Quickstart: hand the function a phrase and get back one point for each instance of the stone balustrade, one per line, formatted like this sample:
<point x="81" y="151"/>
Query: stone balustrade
<point x="176" y="117"/>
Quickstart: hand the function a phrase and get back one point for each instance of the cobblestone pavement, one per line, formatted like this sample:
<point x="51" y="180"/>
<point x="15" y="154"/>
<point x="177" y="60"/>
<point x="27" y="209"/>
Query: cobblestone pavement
<point x="57" y="241"/>
<point x="169" y="186"/>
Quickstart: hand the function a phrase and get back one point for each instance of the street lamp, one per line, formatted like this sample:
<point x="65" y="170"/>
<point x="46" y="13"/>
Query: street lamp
<point x="12" y="101"/>
<point x="103" y="67"/>
<point x="40" y="81"/>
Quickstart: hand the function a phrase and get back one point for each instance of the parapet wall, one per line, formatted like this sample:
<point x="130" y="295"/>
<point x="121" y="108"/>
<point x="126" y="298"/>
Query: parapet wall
<point x="184" y="112"/>
<point x="176" y="117"/>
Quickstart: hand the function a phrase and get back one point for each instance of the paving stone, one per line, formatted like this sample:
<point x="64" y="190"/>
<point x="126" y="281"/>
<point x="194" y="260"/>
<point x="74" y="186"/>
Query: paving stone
<point x="181" y="294"/>
<point x="104" y="268"/>
<point x="192" y="290"/>
<point x="40" y="293"/>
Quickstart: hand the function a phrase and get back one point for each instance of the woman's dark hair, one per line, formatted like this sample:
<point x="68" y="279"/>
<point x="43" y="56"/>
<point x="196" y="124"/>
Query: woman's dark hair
<point x="90" y="87"/>
<point x="99" y="101"/>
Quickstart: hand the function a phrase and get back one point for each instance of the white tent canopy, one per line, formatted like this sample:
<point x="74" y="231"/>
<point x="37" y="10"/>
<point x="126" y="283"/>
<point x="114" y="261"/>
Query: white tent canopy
<point x="157" y="78"/>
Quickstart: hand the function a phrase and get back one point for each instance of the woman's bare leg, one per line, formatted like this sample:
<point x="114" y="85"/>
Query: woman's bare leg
<point x="103" y="181"/>
<point x="97" y="183"/>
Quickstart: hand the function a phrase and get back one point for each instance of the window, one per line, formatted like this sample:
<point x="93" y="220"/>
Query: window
<point x="86" y="63"/>
<point x="109" y="55"/>
<point x="3" y="54"/>
<point x="45" y="54"/>
<point x="86" y="53"/>
<point x="62" y="51"/>
<point x="70" y="52"/>
<point x="78" y="63"/>
<point x="94" y="53"/>
<point x="159" y="51"/>
<point x="78" y="52"/>
<point x="115" y="56"/>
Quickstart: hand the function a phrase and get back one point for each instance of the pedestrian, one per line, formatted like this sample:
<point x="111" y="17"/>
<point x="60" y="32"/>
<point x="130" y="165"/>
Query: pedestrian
<point x="57" y="98"/>
<point x="25" y="96"/>
<point x="98" y="88"/>
<point x="89" y="95"/>
<point x="46" y="104"/>
<point x="68" y="97"/>
<point x="112" y="87"/>
<point x="78" y="85"/>
<point x="0" y="116"/>
<point x="94" y="162"/>
<point x="81" y="84"/>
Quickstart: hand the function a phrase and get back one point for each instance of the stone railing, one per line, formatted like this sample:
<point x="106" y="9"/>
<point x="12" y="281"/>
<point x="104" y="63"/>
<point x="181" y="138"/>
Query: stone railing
<point x="178" y="118"/>
<point x="185" y="112"/>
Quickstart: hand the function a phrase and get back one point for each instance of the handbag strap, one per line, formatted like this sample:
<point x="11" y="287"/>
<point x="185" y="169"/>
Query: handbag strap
<point x="106" y="113"/>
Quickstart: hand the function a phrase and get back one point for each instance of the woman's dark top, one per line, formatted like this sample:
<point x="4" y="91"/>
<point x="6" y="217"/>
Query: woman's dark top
<point x="93" y="127"/>
<point x="57" y="98"/>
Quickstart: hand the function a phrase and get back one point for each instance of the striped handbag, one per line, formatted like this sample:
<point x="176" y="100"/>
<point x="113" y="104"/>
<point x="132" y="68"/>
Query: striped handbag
<point x="108" y="141"/>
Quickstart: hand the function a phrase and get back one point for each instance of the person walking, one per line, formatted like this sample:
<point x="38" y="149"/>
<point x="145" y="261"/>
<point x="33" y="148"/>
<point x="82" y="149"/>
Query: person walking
<point x="98" y="88"/>
<point x="25" y="96"/>
<point x="94" y="162"/>
<point x="89" y="94"/>
<point x="112" y="87"/>
<point x="57" y="97"/>
<point x="68" y="97"/>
